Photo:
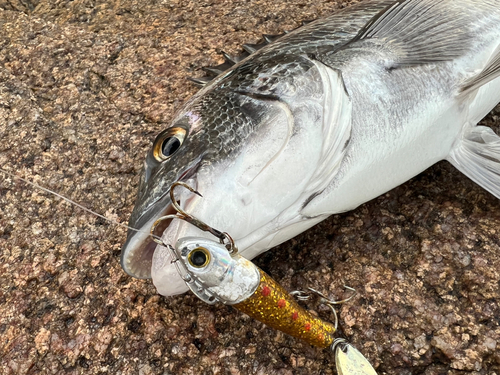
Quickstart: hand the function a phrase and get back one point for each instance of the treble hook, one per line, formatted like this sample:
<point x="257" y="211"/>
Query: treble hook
<point x="183" y="215"/>
<point x="304" y="296"/>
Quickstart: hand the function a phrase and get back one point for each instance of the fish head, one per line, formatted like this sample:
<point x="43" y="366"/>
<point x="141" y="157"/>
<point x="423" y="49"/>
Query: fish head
<point x="251" y="144"/>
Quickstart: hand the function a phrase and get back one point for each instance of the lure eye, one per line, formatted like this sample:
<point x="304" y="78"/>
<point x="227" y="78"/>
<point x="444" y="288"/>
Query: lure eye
<point x="199" y="257"/>
<point x="168" y="142"/>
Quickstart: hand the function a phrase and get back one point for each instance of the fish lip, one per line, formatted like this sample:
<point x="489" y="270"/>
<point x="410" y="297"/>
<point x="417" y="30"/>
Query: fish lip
<point x="138" y="249"/>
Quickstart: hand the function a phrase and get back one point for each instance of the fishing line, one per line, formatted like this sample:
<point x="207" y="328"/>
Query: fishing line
<point x="35" y="185"/>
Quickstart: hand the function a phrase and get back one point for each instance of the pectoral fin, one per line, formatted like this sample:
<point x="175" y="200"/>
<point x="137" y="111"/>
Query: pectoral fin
<point x="477" y="152"/>
<point x="488" y="74"/>
<point x="477" y="155"/>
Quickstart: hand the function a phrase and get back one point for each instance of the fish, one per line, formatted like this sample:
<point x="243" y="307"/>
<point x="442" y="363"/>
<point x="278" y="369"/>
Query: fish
<point x="321" y="120"/>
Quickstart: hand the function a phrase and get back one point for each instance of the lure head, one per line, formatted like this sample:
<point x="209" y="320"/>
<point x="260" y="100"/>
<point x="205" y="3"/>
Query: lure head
<point x="213" y="273"/>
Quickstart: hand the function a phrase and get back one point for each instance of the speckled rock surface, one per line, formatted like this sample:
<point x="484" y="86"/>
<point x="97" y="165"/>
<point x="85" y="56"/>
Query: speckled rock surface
<point x="84" y="87"/>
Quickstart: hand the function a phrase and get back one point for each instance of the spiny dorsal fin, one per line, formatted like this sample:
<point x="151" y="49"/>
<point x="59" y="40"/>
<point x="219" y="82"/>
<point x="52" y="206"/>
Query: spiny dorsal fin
<point x="235" y="59"/>
<point x="218" y="69"/>
<point x="417" y="31"/>
<point x="251" y="48"/>
<point x="229" y="60"/>
<point x="201" y="81"/>
<point x="271" y="38"/>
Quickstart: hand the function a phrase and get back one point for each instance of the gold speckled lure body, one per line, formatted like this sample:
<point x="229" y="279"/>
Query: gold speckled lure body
<point x="275" y="307"/>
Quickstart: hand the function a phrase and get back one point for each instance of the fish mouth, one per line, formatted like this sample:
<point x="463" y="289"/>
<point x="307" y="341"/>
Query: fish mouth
<point x="138" y="250"/>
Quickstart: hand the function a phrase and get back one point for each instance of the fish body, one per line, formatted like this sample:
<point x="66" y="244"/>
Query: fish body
<point x="322" y="120"/>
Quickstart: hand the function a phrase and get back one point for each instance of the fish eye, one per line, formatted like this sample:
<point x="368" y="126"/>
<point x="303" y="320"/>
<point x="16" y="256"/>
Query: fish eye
<point x="168" y="142"/>
<point x="199" y="257"/>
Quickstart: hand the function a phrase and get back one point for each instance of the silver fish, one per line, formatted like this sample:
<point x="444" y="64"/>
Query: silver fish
<point x="322" y="120"/>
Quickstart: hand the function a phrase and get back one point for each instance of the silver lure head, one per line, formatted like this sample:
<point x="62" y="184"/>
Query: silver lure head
<point x="213" y="273"/>
<point x="253" y="144"/>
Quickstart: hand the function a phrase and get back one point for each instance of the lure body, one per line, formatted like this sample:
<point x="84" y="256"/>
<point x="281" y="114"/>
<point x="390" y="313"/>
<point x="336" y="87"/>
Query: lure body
<point x="215" y="275"/>
<point x="276" y="308"/>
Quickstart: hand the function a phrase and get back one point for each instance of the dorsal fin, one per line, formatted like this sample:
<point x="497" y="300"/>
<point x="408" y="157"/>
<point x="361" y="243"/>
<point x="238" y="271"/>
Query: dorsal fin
<point x="235" y="59"/>
<point x="200" y="81"/>
<point x="271" y="38"/>
<point x="417" y="32"/>
<point x="251" y="48"/>
<point x="230" y="60"/>
<point x="218" y="69"/>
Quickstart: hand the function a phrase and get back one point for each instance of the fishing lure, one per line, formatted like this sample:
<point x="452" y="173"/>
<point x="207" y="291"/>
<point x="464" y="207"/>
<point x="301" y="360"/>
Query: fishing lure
<point x="216" y="272"/>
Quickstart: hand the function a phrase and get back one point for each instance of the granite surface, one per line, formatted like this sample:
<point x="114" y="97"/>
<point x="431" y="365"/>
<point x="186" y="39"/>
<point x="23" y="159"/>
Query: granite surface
<point x="84" y="87"/>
